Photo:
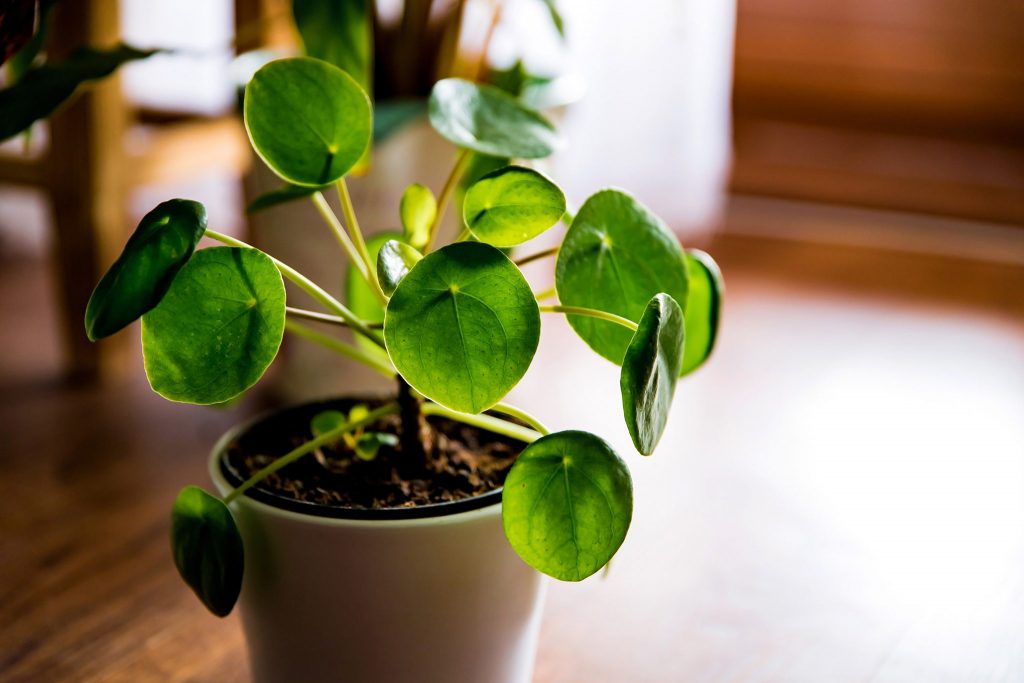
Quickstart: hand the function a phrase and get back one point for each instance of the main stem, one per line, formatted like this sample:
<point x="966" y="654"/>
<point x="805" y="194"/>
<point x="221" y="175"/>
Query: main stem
<point x="413" y="426"/>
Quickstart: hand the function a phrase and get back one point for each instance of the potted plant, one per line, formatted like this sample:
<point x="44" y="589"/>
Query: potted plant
<point x="404" y="539"/>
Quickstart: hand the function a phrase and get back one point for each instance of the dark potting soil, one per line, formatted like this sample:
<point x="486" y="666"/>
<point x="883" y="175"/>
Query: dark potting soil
<point x="462" y="462"/>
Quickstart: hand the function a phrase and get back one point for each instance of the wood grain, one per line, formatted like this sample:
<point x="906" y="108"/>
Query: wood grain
<point x="839" y="496"/>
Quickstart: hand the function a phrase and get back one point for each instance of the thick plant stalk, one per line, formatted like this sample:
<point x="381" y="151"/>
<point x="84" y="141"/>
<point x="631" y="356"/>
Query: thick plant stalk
<point x="414" y="427"/>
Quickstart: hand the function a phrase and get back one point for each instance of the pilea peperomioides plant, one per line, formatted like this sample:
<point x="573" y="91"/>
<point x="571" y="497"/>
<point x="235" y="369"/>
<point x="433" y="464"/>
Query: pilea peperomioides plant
<point x="458" y="325"/>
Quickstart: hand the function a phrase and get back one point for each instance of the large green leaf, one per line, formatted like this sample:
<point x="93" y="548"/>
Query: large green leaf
<point x="418" y="210"/>
<point x="487" y="120"/>
<point x="463" y="326"/>
<point x="339" y="32"/>
<point x="207" y="548"/>
<point x="137" y="281"/>
<point x="307" y="119"/>
<point x="567" y="504"/>
<point x="394" y="261"/>
<point x="41" y="90"/>
<point x="512" y="205"/>
<point x="650" y="371"/>
<point x="703" y="308"/>
<point x="218" y="327"/>
<point x="615" y="257"/>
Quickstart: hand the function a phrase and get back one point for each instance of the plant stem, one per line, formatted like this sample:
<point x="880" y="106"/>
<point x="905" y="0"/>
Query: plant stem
<point x="590" y="312"/>
<point x="338" y="346"/>
<point x="546" y="294"/>
<point x="521" y="414"/>
<point x="309" y="447"/>
<point x="325" y="318"/>
<point x="320" y="202"/>
<point x="491" y="424"/>
<point x="412" y="422"/>
<point x="461" y="164"/>
<point x="535" y="257"/>
<point x="308" y="286"/>
<point x="349" y="212"/>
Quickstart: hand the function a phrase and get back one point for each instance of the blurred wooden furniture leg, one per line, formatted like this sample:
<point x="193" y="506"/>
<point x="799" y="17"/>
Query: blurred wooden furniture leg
<point x="85" y="181"/>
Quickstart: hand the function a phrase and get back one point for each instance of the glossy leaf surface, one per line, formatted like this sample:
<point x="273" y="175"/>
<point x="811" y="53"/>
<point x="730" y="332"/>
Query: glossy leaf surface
<point x="567" y="504"/>
<point x="218" y="327"/>
<point x="489" y="121"/>
<point x="136" y="282"/>
<point x="615" y="257"/>
<point x="307" y="119"/>
<point x="41" y="90"/>
<point x="463" y="326"/>
<point x="418" y="210"/>
<point x="650" y="371"/>
<point x="512" y="205"/>
<point x="361" y="299"/>
<point x="207" y="548"/>
<point x="394" y="261"/>
<point x="703" y="308"/>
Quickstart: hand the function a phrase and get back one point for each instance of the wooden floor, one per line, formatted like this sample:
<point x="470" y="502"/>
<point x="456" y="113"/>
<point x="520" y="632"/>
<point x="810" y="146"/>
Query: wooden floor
<point x="839" y="496"/>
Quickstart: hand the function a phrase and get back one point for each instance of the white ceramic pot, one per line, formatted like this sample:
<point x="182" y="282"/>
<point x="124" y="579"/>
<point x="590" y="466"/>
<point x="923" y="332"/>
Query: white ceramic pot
<point x="429" y="594"/>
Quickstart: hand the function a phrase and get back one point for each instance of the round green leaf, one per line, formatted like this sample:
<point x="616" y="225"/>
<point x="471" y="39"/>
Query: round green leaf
<point x="418" y="210"/>
<point x="369" y="444"/>
<point x="326" y="421"/>
<point x="650" y="371"/>
<point x="615" y="257"/>
<point x="486" y="120"/>
<point x="141" y="275"/>
<point x="394" y="261"/>
<point x="462" y="326"/>
<point x="703" y="309"/>
<point x="307" y="119"/>
<point x="567" y="504"/>
<point x="512" y="205"/>
<point x="207" y="548"/>
<point x="218" y="327"/>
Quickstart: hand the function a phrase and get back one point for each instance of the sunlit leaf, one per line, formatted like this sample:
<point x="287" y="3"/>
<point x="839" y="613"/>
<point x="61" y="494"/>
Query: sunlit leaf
<point x="463" y="326"/>
<point x="512" y="205"/>
<point x="307" y="119"/>
<point x="615" y="257"/>
<point x="394" y="261"/>
<point x="703" y="309"/>
<point x="218" y="327"/>
<point x="567" y="504"/>
<point x="418" y="210"/>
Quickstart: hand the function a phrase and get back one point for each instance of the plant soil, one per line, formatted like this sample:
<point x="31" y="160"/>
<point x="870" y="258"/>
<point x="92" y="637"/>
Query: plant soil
<point x="462" y="462"/>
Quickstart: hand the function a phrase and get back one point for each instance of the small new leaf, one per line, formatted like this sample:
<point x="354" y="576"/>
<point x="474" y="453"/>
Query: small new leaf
<point x="140" y="277"/>
<point x="207" y="549"/>
<point x="487" y="120"/>
<point x="650" y="371"/>
<point x="512" y="205"/>
<point x="418" y="211"/>
<point x="703" y="308"/>
<point x="567" y="504"/>
<point x="218" y="327"/>
<point x="394" y="261"/>
<point x="369" y="444"/>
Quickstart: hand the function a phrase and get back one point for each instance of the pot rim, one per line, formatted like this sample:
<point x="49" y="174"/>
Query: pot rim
<point x="467" y="509"/>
